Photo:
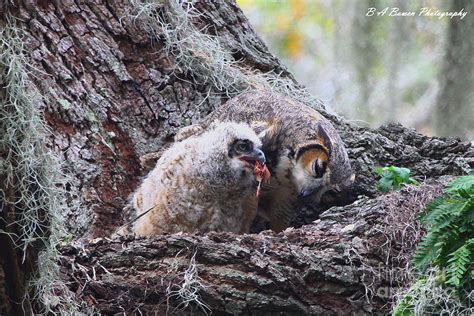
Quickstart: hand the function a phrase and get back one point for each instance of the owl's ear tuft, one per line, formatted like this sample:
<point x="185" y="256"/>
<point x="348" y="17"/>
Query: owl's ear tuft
<point x="324" y="139"/>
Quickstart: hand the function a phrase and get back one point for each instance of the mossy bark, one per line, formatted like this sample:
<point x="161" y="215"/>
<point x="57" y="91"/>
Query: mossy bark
<point x="111" y="95"/>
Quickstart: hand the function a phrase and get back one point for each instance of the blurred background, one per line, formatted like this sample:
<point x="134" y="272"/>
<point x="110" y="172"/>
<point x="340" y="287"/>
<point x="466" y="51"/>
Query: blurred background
<point x="418" y="71"/>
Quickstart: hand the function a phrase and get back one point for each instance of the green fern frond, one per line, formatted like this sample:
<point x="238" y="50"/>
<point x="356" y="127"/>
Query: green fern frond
<point x="435" y="209"/>
<point x="448" y="246"/>
<point x="426" y="251"/>
<point x="458" y="264"/>
<point x="461" y="183"/>
<point x="450" y="232"/>
<point x="444" y="209"/>
<point x="469" y="216"/>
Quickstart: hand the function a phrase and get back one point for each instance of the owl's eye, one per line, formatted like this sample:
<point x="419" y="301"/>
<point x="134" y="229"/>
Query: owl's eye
<point x="244" y="146"/>
<point x="318" y="168"/>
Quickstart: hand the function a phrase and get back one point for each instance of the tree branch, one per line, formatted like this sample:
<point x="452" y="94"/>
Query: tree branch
<point x="351" y="260"/>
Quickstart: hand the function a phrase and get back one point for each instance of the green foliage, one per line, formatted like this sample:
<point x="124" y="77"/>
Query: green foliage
<point x="393" y="177"/>
<point x="461" y="183"/>
<point x="379" y="59"/>
<point x="444" y="255"/>
<point x="458" y="264"/>
<point x="449" y="242"/>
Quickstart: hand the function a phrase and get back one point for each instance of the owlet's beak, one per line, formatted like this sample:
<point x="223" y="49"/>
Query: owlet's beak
<point x="258" y="155"/>
<point x="255" y="155"/>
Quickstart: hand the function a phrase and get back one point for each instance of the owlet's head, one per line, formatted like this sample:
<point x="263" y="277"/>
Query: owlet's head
<point x="242" y="147"/>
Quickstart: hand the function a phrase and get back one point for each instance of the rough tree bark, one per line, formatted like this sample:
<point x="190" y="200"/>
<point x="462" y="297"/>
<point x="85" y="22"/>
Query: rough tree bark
<point x="111" y="95"/>
<point x="349" y="261"/>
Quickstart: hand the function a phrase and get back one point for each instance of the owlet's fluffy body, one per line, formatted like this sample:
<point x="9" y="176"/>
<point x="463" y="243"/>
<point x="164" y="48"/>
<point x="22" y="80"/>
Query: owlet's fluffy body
<point x="204" y="183"/>
<point x="305" y="154"/>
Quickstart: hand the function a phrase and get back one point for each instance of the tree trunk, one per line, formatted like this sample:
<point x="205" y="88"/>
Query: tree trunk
<point x="115" y="88"/>
<point x="365" y="55"/>
<point x="456" y="97"/>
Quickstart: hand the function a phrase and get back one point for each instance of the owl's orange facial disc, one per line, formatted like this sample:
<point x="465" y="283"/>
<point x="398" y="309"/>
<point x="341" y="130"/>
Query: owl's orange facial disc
<point x="314" y="161"/>
<point x="310" y="172"/>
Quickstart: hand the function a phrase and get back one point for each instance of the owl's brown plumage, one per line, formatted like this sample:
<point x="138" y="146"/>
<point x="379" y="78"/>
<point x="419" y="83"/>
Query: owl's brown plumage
<point x="204" y="183"/>
<point x="304" y="152"/>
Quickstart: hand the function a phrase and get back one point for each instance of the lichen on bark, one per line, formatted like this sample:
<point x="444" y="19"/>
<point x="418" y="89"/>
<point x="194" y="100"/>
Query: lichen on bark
<point x="31" y="191"/>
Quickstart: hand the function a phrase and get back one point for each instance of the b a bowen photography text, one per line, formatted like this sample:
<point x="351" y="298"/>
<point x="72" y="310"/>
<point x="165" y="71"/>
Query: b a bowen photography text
<point x="425" y="12"/>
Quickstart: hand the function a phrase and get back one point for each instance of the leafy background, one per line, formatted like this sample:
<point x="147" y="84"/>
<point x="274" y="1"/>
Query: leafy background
<point x="373" y="70"/>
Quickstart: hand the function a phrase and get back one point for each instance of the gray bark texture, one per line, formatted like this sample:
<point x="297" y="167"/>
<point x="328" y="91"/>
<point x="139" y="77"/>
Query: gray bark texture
<point x="111" y="95"/>
<point x="350" y="261"/>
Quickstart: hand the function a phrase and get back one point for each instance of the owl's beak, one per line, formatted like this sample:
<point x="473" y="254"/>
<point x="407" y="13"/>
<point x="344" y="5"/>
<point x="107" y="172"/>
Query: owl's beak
<point x="305" y="193"/>
<point x="255" y="155"/>
<point x="315" y="192"/>
<point x="259" y="155"/>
